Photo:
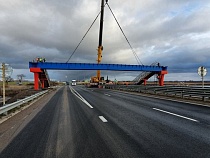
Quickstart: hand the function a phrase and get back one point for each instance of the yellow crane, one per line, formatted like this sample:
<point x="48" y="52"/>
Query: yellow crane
<point x="97" y="80"/>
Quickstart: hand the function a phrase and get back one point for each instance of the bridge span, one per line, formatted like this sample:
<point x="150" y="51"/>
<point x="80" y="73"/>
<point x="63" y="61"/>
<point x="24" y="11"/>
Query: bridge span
<point x="40" y="68"/>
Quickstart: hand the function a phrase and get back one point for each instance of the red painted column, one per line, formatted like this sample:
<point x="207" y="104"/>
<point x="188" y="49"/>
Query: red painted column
<point x="161" y="80"/>
<point x="36" y="72"/>
<point x="145" y="82"/>
<point x="42" y="84"/>
<point x="161" y="77"/>
<point x="36" y="80"/>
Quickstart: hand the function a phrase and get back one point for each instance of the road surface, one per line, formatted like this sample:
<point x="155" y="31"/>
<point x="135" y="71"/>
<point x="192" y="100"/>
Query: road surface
<point x="80" y="122"/>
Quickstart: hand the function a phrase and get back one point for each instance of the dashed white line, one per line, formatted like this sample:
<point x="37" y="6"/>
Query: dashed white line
<point x="103" y="119"/>
<point x="107" y="95"/>
<point x="175" y="115"/>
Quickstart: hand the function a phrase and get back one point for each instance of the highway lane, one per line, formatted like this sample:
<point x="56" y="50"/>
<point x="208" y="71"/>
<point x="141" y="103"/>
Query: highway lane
<point x="158" y="124"/>
<point x="83" y="122"/>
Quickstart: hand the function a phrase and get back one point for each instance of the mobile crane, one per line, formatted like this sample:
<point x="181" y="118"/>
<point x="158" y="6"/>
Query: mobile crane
<point x="97" y="80"/>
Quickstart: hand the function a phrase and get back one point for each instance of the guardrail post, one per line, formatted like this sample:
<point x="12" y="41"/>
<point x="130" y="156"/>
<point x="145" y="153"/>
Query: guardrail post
<point x="5" y="113"/>
<point x="182" y="96"/>
<point x="204" y="98"/>
<point x="155" y="91"/>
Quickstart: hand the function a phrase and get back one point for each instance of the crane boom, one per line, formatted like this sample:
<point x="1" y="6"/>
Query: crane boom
<point x="101" y="23"/>
<point x="97" y="79"/>
<point x="100" y="47"/>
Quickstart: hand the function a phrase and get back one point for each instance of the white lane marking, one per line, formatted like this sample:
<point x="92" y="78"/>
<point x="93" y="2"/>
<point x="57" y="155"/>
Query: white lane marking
<point x="175" y="115"/>
<point x="103" y="119"/>
<point x="80" y="97"/>
<point x="107" y="95"/>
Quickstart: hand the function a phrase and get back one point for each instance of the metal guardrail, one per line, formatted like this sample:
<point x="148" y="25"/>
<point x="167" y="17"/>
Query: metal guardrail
<point x="7" y="107"/>
<point x="182" y="92"/>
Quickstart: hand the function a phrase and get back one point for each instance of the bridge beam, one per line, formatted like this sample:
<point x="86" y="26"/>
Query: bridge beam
<point x="90" y="66"/>
<point x="40" y="67"/>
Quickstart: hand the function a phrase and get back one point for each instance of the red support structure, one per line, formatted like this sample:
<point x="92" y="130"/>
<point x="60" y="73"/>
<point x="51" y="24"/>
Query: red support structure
<point x="36" y="80"/>
<point x="42" y="81"/>
<point x="36" y="72"/>
<point x="145" y="82"/>
<point x="40" y="75"/>
<point x="161" y="77"/>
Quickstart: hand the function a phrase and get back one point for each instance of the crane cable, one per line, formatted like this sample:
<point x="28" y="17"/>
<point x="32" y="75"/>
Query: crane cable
<point x="134" y="53"/>
<point x="83" y="37"/>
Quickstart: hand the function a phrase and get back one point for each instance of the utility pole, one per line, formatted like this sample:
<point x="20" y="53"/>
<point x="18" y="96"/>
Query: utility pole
<point x="3" y="80"/>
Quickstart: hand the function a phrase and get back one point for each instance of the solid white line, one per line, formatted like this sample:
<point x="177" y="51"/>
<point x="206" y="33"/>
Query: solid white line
<point x="80" y="97"/>
<point x="103" y="119"/>
<point x="175" y="115"/>
<point x="87" y="103"/>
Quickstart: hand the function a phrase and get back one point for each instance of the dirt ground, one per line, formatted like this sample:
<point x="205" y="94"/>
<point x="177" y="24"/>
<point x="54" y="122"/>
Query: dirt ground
<point x="14" y="93"/>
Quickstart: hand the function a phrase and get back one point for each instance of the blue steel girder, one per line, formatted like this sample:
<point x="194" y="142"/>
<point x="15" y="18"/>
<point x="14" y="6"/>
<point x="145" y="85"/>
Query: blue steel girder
<point x="91" y="66"/>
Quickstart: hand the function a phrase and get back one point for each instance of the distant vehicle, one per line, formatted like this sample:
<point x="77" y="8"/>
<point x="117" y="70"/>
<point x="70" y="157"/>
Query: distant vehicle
<point x="73" y="82"/>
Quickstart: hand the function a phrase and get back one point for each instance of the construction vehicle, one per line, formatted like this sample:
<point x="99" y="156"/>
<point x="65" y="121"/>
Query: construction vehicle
<point x="98" y="81"/>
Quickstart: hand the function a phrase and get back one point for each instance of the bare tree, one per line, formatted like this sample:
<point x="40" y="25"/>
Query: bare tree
<point x="20" y="78"/>
<point x="8" y="79"/>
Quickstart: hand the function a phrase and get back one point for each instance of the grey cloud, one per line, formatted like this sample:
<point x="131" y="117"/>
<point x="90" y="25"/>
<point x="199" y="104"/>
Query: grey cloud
<point x="174" y="33"/>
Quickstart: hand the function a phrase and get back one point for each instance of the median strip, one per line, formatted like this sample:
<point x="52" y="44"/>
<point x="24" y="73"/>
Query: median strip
<point x="175" y="115"/>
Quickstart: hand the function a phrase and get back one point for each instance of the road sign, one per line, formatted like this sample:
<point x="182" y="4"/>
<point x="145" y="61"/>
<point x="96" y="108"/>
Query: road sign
<point x="202" y="71"/>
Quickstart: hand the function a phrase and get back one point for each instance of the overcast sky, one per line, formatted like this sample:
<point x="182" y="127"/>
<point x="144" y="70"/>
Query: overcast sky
<point x="175" y="33"/>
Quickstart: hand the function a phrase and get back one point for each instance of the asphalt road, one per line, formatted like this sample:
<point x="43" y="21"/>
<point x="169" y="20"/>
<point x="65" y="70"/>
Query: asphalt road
<point x="79" y="122"/>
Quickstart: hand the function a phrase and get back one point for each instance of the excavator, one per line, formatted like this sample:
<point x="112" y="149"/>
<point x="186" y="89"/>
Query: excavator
<point x="98" y="81"/>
